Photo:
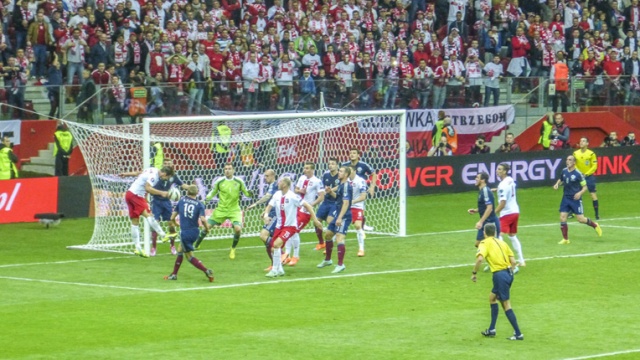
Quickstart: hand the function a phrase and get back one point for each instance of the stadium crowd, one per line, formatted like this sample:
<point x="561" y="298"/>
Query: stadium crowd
<point x="280" y="54"/>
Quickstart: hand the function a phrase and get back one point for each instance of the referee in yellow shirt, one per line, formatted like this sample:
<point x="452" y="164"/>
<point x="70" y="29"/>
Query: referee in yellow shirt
<point x="587" y="164"/>
<point x="501" y="262"/>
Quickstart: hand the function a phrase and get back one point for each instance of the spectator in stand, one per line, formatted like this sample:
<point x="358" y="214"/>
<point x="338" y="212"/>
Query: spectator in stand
<point x="198" y="80"/>
<point x="101" y="52"/>
<point x="560" y="77"/>
<point x="39" y="36"/>
<point x="117" y="97"/>
<point x="611" y="140"/>
<point x="473" y="66"/>
<point x="285" y="70"/>
<point x="423" y="83"/>
<point x="53" y="87"/>
<point x="75" y="49"/>
<point x="442" y="75"/>
<point x="493" y="70"/>
<point x="15" y="77"/>
<point x="456" y="81"/>
<point x="307" y="90"/>
<point x="21" y="17"/>
<point x="267" y="82"/>
<point x="631" y="70"/>
<point x="85" y="100"/>
<point x="391" y="81"/>
<point x="250" y="74"/>
<point x="345" y="76"/>
<point x="612" y="70"/>
<point x="559" y="134"/>
<point x="509" y="144"/>
<point x="156" y="63"/>
<point x="366" y="73"/>
<point x="480" y="146"/>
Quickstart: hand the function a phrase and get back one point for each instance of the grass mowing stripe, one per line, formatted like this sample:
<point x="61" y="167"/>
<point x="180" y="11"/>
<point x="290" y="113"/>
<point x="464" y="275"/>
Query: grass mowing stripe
<point x="622" y="352"/>
<point x="126" y="256"/>
<point x="78" y="284"/>
<point x="279" y="281"/>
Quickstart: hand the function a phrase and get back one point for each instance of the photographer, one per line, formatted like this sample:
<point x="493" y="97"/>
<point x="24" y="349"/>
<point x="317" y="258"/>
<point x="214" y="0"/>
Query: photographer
<point x="442" y="148"/>
<point x="8" y="160"/>
<point x="559" y="134"/>
<point x="480" y="147"/>
<point x="509" y="145"/>
<point x="629" y="140"/>
<point x="611" y="140"/>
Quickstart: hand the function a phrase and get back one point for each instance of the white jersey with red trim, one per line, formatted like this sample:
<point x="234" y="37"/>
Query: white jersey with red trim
<point x="310" y="188"/>
<point x="286" y="206"/>
<point x="359" y="186"/>
<point x="150" y="176"/>
<point x="507" y="192"/>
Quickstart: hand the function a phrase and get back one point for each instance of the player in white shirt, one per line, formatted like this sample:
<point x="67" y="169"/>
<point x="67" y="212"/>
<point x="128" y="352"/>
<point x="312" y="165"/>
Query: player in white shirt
<point x="508" y="209"/>
<point x="359" y="186"/>
<point x="138" y="205"/>
<point x="311" y="190"/>
<point x="286" y="203"/>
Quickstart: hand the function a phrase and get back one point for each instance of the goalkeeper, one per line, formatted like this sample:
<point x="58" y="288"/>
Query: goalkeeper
<point x="228" y="189"/>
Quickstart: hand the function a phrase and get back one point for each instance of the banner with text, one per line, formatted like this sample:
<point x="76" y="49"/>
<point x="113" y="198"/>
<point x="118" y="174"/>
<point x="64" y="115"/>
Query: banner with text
<point x="21" y="199"/>
<point x="467" y="122"/>
<point x="531" y="169"/>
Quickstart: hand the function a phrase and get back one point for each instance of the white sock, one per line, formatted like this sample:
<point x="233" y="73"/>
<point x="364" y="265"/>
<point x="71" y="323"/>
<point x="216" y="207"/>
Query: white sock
<point x="517" y="247"/>
<point x="135" y="235"/>
<point x="295" y="239"/>
<point x="360" y="236"/>
<point x="287" y="247"/>
<point x="276" y="259"/>
<point x="156" y="227"/>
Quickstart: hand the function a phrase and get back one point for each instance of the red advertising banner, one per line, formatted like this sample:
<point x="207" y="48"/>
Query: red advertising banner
<point x="21" y="199"/>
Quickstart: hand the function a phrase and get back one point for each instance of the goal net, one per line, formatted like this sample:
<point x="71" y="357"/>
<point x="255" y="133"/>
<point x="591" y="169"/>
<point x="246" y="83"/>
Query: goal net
<point x="278" y="141"/>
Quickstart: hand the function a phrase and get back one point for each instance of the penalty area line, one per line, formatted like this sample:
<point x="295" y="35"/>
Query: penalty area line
<point x="595" y="356"/>
<point x="386" y="272"/>
<point x="78" y="284"/>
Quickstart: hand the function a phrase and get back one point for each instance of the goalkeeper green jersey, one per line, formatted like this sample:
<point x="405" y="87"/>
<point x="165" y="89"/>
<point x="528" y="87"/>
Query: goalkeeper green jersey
<point x="228" y="191"/>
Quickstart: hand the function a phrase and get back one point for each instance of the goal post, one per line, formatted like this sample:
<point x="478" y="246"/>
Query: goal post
<point x="279" y="141"/>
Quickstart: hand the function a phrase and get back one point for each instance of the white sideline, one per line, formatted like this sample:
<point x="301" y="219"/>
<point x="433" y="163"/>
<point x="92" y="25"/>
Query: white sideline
<point x="129" y="256"/>
<point x="622" y="352"/>
<point x="279" y="281"/>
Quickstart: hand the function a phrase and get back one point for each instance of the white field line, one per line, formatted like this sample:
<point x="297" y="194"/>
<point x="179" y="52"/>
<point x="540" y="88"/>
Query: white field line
<point x="124" y="256"/>
<point x="279" y="281"/>
<point x="623" y="227"/>
<point x="595" y="356"/>
<point x="78" y="284"/>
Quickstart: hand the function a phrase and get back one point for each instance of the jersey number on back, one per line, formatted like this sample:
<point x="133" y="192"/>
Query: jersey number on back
<point x="188" y="210"/>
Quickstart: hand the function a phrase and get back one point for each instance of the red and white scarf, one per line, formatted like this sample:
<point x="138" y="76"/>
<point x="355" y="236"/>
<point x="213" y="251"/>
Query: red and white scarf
<point x="136" y="52"/>
<point x="175" y="73"/>
<point x="120" y="53"/>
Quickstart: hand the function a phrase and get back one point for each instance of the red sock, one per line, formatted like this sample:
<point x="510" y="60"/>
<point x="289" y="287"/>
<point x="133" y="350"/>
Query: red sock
<point x="591" y="223"/>
<point x="154" y="239"/>
<point x="565" y="230"/>
<point x="341" y="250"/>
<point x="197" y="263"/>
<point x="172" y="240"/>
<point x="319" y="235"/>
<point x="176" y="267"/>
<point x="329" y="249"/>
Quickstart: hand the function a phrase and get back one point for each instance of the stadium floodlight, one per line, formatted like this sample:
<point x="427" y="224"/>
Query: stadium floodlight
<point x="278" y="141"/>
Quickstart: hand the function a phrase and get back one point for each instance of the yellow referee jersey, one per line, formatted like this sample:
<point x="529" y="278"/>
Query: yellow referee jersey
<point x="496" y="252"/>
<point x="586" y="161"/>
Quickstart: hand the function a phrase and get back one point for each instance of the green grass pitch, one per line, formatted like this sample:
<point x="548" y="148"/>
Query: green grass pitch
<point x="409" y="298"/>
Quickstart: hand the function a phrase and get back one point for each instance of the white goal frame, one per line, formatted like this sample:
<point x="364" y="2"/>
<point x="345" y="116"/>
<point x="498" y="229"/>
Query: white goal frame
<point x="402" y="170"/>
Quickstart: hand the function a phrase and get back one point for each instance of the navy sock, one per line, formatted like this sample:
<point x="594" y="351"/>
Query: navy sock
<point x="494" y="316"/>
<point x="236" y="239"/>
<point x="596" y="208"/>
<point x="512" y="319"/>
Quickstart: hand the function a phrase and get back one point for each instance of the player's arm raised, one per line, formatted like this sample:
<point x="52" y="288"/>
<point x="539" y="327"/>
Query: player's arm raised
<point x="262" y="200"/>
<point x="309" y="208"/>
<point x="130" y="173"/>
<point x="246" y="191"/>
<point x="214" y="191"/>
<point x="153" y="191"/>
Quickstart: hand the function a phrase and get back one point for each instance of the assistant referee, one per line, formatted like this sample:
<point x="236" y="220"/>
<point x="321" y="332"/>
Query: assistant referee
<point x="501" y="262"/>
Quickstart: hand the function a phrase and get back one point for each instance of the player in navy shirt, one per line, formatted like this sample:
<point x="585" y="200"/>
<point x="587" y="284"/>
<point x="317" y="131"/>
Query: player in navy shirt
<point x="486" y="207"/>
<point x="366" y="172"/>
<point x="326" y="209"/>
<point x="269" y="219"/>
<point x="191" y="213"/>
<point x="161" y="207"/>
<point x="574" y="186"/>
<point x="341" y="219"/>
